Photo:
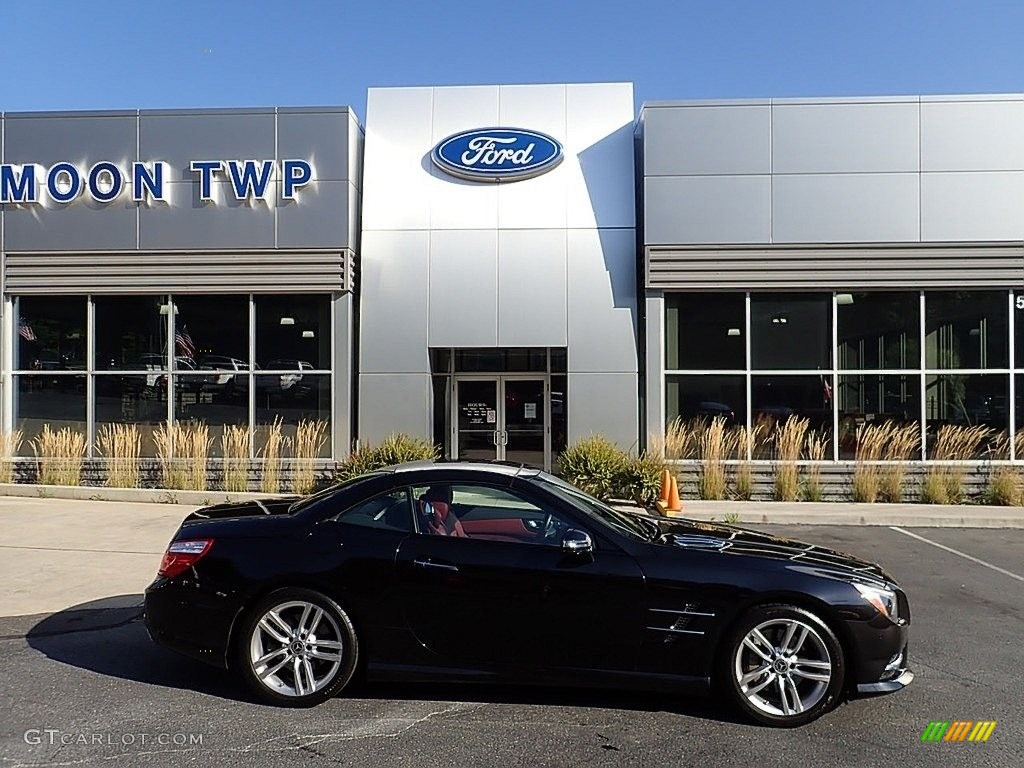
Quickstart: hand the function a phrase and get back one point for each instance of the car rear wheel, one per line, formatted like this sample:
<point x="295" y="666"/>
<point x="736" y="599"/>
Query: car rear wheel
<point x="783" y="665"/>
<point x="297" y="648"/>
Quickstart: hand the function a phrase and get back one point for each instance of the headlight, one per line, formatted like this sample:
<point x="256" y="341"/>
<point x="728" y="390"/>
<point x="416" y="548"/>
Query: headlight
<point x="884" y="600"/>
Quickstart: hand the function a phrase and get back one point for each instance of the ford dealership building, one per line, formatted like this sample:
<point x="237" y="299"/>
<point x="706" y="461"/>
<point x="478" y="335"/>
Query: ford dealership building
<point x="505" y="269"/>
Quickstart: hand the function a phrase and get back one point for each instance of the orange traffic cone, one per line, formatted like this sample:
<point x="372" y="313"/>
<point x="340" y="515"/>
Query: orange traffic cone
<point x="674" y="503"/>
<point x="666" y="489"/>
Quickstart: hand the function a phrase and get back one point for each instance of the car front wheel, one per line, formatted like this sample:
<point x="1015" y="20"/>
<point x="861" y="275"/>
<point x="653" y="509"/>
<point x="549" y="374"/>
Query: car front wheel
<point x="297" y="648"/>
<point x="784" y="666"/>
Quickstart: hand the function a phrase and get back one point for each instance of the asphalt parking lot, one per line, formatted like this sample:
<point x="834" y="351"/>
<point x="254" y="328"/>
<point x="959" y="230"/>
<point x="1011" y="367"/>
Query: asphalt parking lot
<point x="93" y="680"/>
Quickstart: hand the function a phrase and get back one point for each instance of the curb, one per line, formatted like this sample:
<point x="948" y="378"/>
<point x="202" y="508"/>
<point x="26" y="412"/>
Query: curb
<point x="138" y="495"/>
<point x="881" y="519"/>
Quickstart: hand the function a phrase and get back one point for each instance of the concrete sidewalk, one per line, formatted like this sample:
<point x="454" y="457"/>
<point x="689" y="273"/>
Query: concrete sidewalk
<point x="849" y="513"/>
<point x="57" y="553"/>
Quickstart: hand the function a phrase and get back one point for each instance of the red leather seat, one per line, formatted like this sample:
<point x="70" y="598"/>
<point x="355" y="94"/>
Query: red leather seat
<point x="439" y="519"/>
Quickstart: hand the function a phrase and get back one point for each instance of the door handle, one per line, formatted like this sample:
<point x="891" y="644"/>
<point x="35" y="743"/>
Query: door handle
<point x="439" y="566"/>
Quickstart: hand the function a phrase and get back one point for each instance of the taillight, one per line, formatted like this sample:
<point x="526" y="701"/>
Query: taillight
<point x="182" y="555"/>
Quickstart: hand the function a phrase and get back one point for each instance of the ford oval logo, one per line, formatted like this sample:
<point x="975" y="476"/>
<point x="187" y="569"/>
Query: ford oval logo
<point x="497" y="154"/>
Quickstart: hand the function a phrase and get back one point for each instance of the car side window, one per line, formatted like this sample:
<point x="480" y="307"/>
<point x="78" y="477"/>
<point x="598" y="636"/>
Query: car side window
<point x="389" y="511"/>
<point x="465" y="510"/>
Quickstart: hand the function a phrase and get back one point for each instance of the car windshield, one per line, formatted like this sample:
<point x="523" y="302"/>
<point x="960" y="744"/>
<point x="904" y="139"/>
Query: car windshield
<point x="623" y="522"/>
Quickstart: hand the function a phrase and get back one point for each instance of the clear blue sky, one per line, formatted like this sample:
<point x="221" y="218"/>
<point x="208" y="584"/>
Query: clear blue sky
<point x="104" y="54"/>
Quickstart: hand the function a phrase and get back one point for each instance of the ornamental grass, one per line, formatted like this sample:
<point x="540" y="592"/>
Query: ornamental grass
<point x="274" y="447"/>
<point x="744" y="442"/>
<point x="867" y="473"/>
<point x="310" y="438"/>
<point x="789" y="441"/>
<point x="903" y="443"/>
<point x="815" y="447"/>
<point x="182" y="451"/>
<point x="10" y="444"/>
<point x="120" y="445"/>
<point x="714" y="446"/>
<point x="944" y="481"/>
<point x="235" y="444"/>
<point x="59" y="454"/>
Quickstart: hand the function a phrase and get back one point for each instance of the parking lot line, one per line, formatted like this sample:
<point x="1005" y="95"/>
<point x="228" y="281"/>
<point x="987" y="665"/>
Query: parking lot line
<point x="964" y="555"/>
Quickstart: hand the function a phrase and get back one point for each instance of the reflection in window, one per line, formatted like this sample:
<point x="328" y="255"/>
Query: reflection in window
<point x="217" y="400"/>
<point x="131" y="332"/>
<point x="501" y="360"/>
<point x="875" y="399"/>
<point x="879" y="330"/>
<point x="139" y="400"/>
<point x="293" y="332"/>
<point x="705" y="331"/>
<point x="775" y="398"/>
<point x="691" y="397"/>
<point x="55" y="400"/>
<point x="50" y="333"/>
<point x="977" y="399"/>
<point x="293" y="397"/>
<point x="966" y="329"/>
<point x="791" y="331"/>
<point x="211" y="333"/>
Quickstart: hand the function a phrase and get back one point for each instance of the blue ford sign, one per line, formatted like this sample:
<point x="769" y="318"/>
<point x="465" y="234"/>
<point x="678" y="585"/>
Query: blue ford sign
<point x="497" y="154"/>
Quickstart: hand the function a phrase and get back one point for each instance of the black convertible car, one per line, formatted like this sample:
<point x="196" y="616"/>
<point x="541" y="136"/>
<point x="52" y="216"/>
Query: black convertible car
<point x="488" y="572"/>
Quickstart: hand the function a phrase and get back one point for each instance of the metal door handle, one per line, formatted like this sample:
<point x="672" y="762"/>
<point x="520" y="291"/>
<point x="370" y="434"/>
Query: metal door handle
<point x="439" y="566"/>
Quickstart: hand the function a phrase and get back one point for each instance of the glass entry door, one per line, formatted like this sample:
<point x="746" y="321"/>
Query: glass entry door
<point x="524" y="436"/>
<point x="503" y="418"/>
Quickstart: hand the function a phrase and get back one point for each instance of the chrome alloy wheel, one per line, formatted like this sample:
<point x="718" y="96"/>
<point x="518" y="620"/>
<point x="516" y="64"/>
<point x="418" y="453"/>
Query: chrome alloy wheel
<point x="783" y="667"/>
<point x="296" y="648"/>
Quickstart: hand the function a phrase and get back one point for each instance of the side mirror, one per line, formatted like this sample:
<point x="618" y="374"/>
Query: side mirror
<point x="577" y="542"/>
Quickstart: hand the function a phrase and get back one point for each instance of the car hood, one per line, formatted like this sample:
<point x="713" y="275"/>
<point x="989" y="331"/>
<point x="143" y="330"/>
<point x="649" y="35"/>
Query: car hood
<point x="253" y="508"/>
<point x="729" y="540"/>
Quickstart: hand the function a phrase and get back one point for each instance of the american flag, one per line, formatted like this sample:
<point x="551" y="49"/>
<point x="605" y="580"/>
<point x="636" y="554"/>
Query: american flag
<point x="826" y="387"/>
<point x="184" y="342"/>
<point x="26" y="332"/>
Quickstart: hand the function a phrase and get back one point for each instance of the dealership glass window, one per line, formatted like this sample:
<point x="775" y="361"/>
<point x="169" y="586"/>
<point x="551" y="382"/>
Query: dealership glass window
<point x="218" y="400"/>
<point x="1018" y="330"/>
<point x="211" y="332"/>
<point x="292" y="397"/>
<point x="875" y="399"/>
<point x="293" y="332"/>
<point x="975" y="399"/>
<point x="509" y="360"/>
<point x="131" y="332"/>
<point x="133" y="399"/>
<point x="698" y="396"/>
<point x="879" y="330"/>
<point x="49" y="333"/>
<point x="56" y="400"/>
<point x="211" y="380"/>
<point x="705" y="331"/>
<point x="791" y="331"/>
<point x="966" y="329"/>
<point x="773" y="399"/>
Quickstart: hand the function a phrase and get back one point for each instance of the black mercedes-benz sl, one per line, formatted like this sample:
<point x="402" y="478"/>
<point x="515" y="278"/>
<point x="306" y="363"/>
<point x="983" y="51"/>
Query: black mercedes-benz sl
<point x="489" y="572"/>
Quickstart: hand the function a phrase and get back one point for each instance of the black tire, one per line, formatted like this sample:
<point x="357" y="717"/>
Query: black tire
<point x="289" y="688"/>
<point x="820" y="646"/>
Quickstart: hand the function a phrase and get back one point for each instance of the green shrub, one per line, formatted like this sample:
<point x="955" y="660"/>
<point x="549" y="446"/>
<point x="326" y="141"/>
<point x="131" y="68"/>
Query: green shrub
<point x="394" y="449"/>
<point x="640" y="478"/>
<point x="594" y="464"/>
<point x="598" y="466"/>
